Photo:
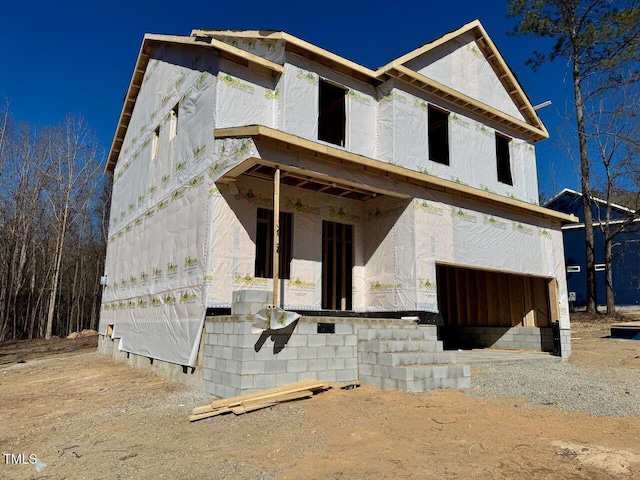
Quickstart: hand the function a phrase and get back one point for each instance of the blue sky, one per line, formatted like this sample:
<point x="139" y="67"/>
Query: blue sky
<point x="77" y="57"/>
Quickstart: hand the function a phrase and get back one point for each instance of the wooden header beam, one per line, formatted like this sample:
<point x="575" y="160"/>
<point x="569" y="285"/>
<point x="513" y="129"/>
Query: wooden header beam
<point x="377" y="167"/>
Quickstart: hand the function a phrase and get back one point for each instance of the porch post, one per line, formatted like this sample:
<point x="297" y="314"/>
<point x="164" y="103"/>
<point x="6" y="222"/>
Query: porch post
<point x="276" y="234"/>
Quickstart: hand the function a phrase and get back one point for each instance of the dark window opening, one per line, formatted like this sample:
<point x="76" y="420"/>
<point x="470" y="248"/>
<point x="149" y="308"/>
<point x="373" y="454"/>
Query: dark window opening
<point x="155" y="146"/>
<point x="504" y="159"/>
<point x="337" y="266"/>
<point x="438" y="136"/>
<point x="332" y="119"/>
<point x="174" y="122"/>
<point x="264" y="244"/>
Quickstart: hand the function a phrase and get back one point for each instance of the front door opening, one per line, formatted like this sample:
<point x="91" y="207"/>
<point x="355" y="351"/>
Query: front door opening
<point x="337" y="266"/>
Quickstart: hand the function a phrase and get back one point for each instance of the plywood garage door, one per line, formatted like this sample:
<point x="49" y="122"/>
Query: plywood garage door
<point x="479" y="298"/>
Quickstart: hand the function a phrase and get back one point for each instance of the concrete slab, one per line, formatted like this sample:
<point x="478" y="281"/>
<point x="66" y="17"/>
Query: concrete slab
<point x="494" y="355"/>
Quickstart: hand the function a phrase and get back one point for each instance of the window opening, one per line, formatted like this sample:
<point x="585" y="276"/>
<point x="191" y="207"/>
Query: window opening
<point x="155" y="144"/>
<point x="438" y="135"/>
<point x="504" y="159"/>
<point x="332" y="117"/>
<point x="173" y="119"/>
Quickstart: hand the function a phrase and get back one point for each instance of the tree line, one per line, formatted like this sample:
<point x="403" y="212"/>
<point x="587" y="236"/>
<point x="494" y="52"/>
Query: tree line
<point x="54" y="214"/>
<point x="600" y="41"/>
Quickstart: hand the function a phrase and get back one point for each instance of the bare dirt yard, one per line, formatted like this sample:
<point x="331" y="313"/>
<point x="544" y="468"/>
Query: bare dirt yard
<point x="73" y="414"/>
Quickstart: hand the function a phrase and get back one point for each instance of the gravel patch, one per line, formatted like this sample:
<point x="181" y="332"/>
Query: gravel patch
<point x="607" y="392"/>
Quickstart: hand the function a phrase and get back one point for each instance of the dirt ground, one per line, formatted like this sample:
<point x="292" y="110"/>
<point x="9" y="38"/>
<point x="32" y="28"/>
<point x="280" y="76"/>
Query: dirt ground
<point x="82" y="416"/>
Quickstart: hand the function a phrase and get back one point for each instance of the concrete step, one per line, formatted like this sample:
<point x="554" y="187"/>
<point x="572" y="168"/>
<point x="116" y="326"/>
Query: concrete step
<point x="417" y="379"/>
<point x="421" y="332"/>
<point x="416" y="359"/>
<point x="408" y="358"/>
<point x="435" y="383"/>
<point x="399" y="346"/>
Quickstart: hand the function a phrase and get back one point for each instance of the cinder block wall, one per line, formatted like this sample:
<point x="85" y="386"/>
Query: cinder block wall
<point x="512" y="338"/>
<point x="238" y="361"/>
<point x="177" y="373"/>
<point x="565" y="342"/>
<point x="105" y="345"/>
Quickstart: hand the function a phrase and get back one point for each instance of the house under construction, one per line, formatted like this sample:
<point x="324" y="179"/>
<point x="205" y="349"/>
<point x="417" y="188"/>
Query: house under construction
<point x="403" y="201"/>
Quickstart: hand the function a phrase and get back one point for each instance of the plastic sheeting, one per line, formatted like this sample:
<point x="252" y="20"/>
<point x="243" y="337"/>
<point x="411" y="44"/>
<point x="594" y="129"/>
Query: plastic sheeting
<point x="245" y="97"/>
<point x="268" y="48"/>
<point x="299" y="104"/>
<point x="273" y="318"/>
<point x="158" y="227"/>
<point x="461" y="65"/>
<point x="403" y="116"/>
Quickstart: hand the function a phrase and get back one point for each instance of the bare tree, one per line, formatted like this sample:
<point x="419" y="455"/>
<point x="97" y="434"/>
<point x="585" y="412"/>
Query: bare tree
<point x="615" y="139"/>
<point x="74" y="167"/>
<point x="51" y="243"/>
<point x="597" y="37"/>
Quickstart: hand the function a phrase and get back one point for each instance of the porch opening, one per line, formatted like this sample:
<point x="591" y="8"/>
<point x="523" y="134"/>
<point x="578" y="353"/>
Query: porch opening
<point x="337" y="265"/>
<point x="482" y="308"/>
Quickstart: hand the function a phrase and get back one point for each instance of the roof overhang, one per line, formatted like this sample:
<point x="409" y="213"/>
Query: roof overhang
<point x="533" y="129"/>
<point x="152" y="41"/>
<point x="300" y="47"/>
<point x="314" y="181"/>
<point x="437" y="89"/>
<point x="576" y="195"/>
<point x="369" y="165"/>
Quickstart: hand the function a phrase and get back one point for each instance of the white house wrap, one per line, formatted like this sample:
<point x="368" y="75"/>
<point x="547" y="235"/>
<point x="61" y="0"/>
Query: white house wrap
<point x="389" y="210"/>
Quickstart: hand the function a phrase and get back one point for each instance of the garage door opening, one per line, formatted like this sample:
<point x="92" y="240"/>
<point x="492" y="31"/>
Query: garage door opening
<point x="482" y="308"/>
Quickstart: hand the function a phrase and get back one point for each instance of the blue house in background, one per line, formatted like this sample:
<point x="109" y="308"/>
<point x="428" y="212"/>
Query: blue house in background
<point x="626" y="252"/>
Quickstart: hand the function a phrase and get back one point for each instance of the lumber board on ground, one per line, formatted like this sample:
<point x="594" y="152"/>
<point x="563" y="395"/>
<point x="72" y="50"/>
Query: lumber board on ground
<point x="254" y="401"/>
<point x="257" y="404"/>
<point x="200" y="416"/>
<point x="225" y="402"/>
<point x="281" y="398"/>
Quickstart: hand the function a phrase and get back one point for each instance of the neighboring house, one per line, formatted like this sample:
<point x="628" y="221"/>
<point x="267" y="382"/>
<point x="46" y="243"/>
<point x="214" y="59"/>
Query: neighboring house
<point x="410" y="190"/>
<point x="625" y="267"/>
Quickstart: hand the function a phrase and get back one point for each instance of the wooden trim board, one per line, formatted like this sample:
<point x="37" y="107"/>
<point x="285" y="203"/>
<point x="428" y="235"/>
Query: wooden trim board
<point x="292" y="142"/>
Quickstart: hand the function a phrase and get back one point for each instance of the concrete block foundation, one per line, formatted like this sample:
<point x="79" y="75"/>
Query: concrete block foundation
<point x="177" y="373"/>
<point x="386" y="353"/>
<point x="279" y="357"/>
<point x="539" y="339"/>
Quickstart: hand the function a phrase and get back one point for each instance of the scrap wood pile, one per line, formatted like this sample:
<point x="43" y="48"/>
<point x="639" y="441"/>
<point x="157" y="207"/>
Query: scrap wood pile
<point x="256" y="401"/>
